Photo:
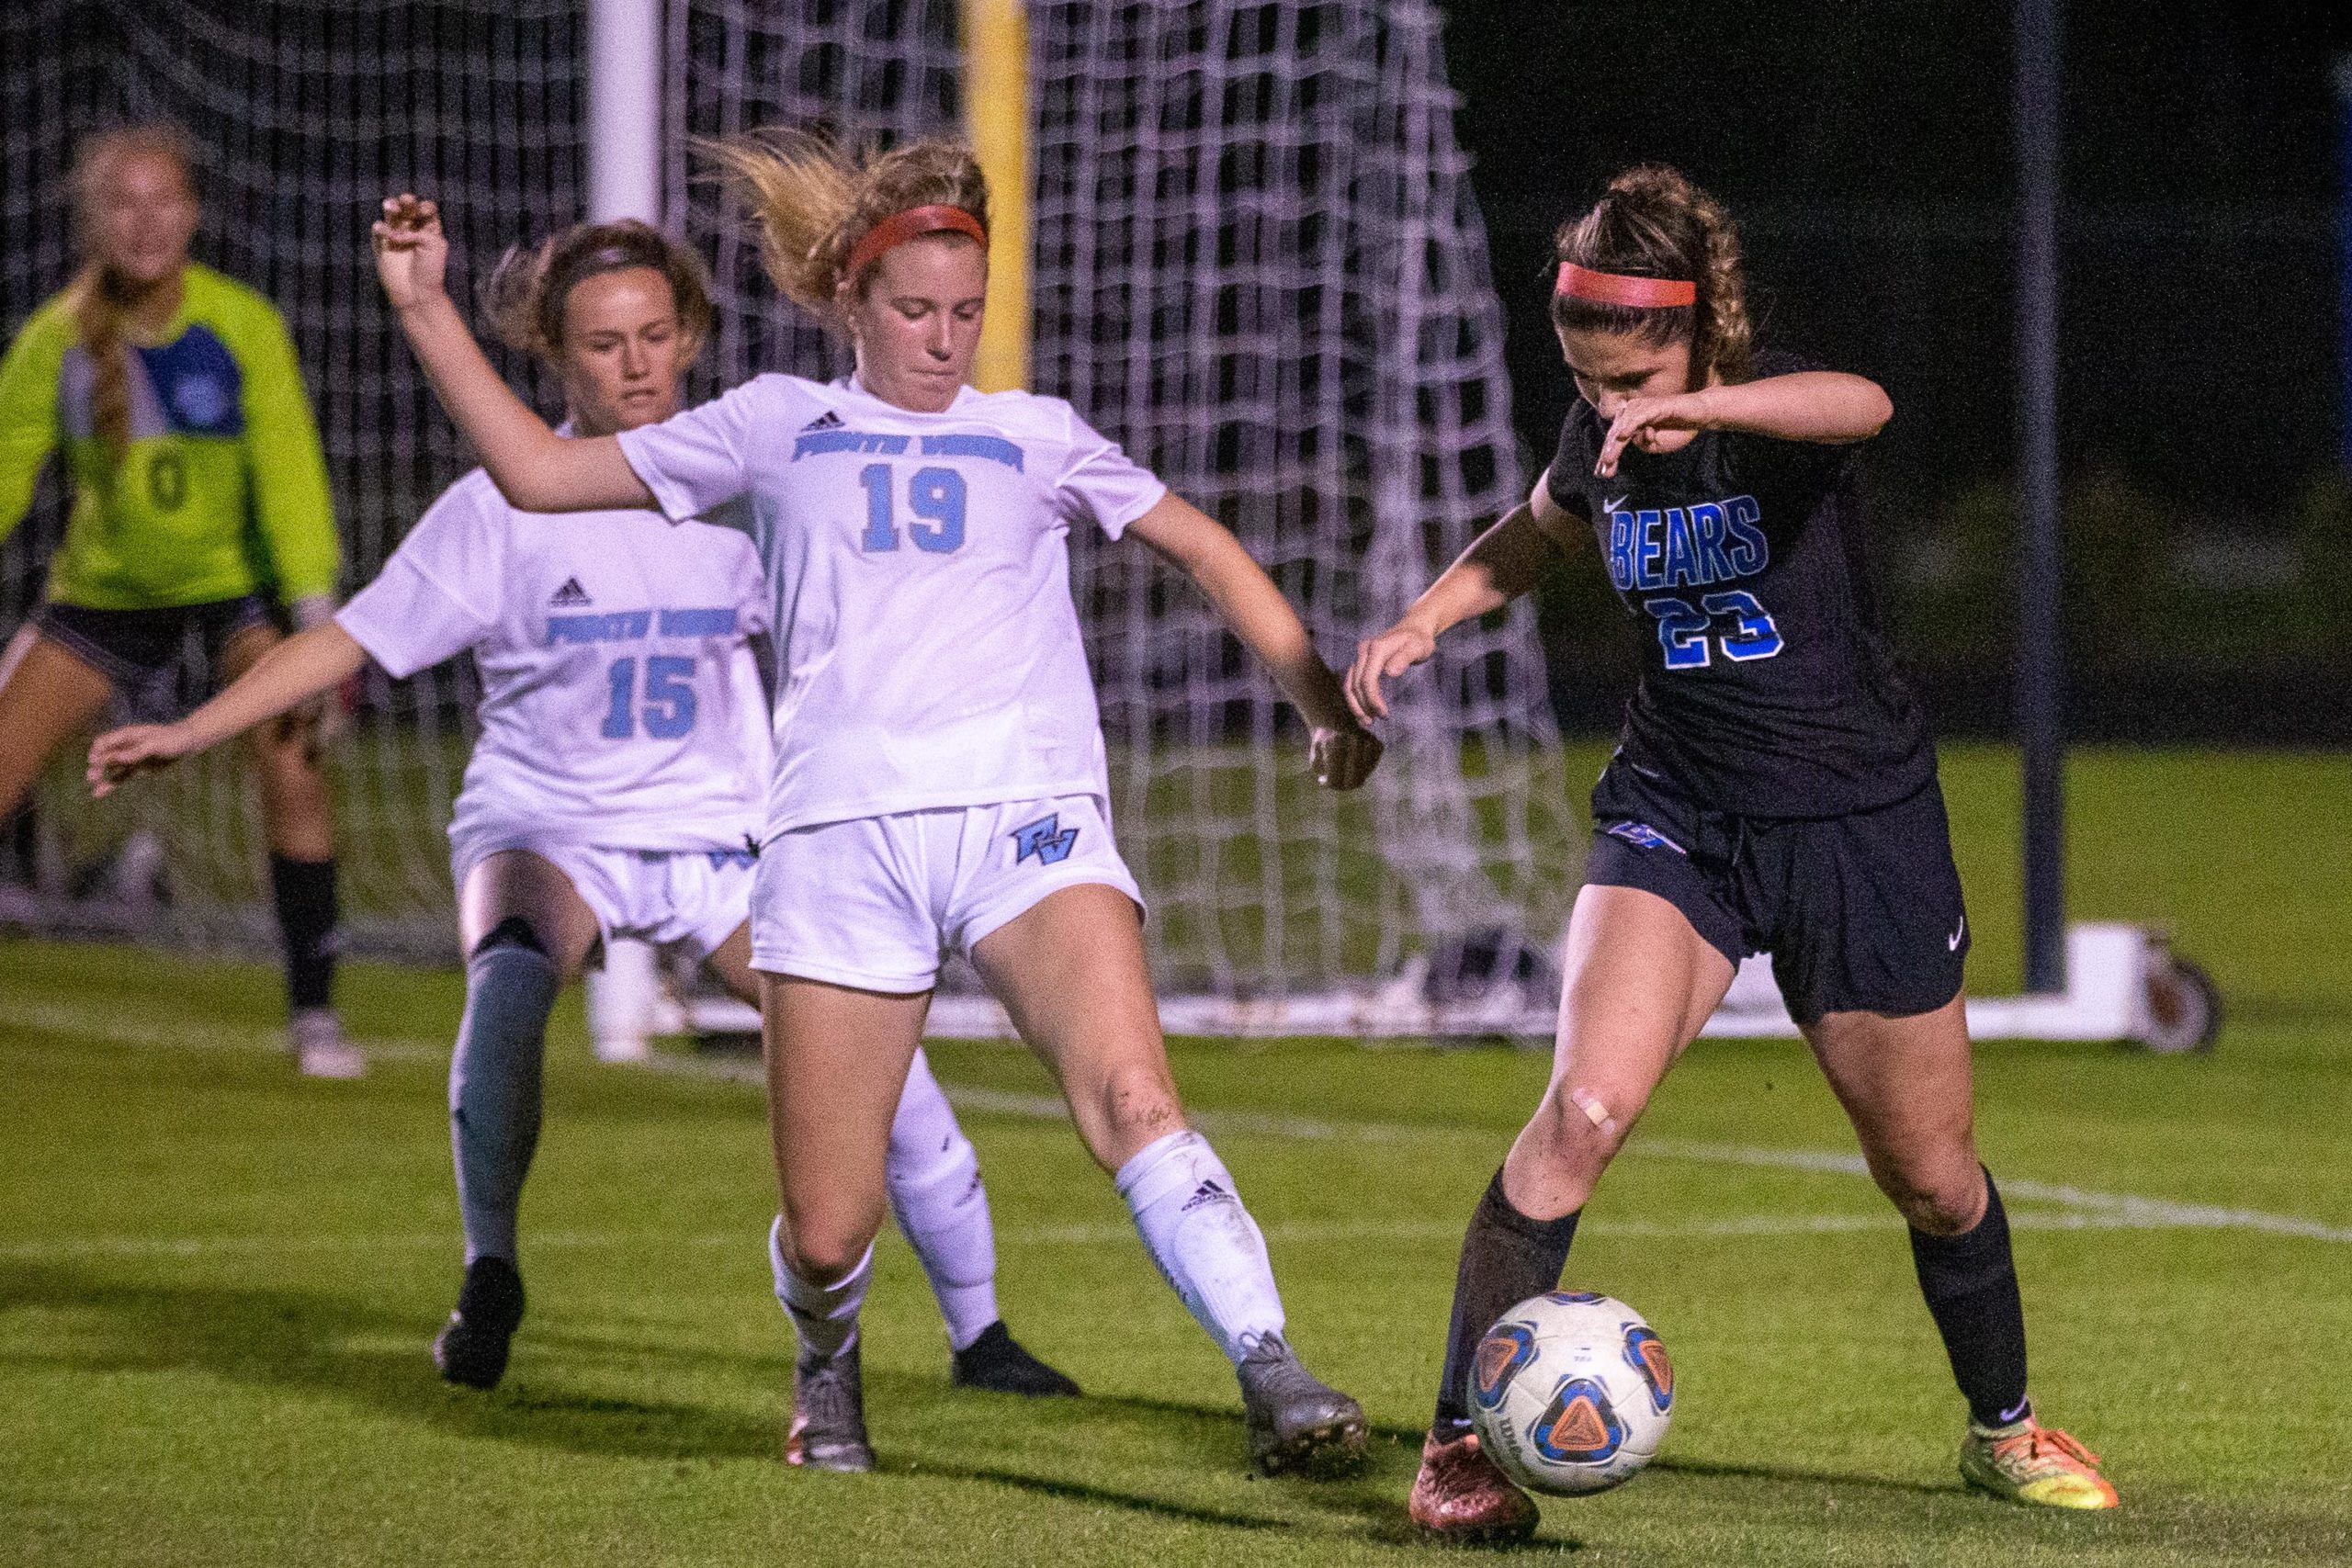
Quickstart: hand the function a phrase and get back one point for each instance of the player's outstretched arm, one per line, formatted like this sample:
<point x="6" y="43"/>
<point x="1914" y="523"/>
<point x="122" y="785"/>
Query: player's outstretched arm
<point x="288" y="676"/>
<point x="1500" y="564"/>
<point x="533" y="467"/>
<point x="1343" y="752"/>
<point x="1829" y="407"/>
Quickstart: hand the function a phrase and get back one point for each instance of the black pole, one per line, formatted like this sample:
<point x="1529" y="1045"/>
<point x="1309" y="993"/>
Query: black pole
<point x="2344" y="249"/>
<point x="2039" y="652"/>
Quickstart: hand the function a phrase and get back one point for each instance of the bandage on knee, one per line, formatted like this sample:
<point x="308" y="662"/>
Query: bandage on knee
<point x="1596" y="1112"/>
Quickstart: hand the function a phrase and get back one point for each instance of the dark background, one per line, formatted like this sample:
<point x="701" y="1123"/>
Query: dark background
<point x="1866" y="150"/>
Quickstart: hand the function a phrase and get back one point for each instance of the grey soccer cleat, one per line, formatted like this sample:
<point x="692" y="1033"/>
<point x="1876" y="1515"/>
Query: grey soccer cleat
<point x="1296" y="1420"/>
<point x="827" y="1431"/>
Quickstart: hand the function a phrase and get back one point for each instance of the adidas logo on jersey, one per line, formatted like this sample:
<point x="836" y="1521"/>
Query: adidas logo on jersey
<point x="571" y="596"/>
<point x="829" y="420"/>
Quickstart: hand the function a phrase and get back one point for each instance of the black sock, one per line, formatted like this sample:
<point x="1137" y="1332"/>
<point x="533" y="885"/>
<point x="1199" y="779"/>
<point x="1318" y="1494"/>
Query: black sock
<point x="1506" y="1257"/>
<point x="304" y="891"/>
<point x="1971" y="1284"/>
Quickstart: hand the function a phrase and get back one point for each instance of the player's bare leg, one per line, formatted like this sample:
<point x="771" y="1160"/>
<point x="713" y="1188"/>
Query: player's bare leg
<point x="942" y="1207"/>
<point x="1070" y="972"/>
<point x="524" y="932"/>
<point x="516" y="885"/>
<point x="1907" y="1084"/>
<point x="1640" y="981"/>
<point x="47" y="696"/>
<point x="730" y="964"/>
<point x="837" y="1063"/>
<point x="297" y="818"/>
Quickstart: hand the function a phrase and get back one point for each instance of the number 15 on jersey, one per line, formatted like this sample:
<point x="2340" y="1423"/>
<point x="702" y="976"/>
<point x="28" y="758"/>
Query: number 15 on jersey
<point x="669" y="708"/>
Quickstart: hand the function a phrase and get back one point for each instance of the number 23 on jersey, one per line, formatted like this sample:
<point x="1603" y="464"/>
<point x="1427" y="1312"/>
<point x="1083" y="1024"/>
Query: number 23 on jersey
<point x="1686" y="634"/>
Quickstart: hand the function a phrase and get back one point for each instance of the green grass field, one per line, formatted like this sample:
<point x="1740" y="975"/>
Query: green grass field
<point x="217" y="1282"/>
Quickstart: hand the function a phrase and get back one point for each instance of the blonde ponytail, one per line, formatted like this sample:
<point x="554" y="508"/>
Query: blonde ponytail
<point x="97" y="320"/>
<point x="813" y="201"/>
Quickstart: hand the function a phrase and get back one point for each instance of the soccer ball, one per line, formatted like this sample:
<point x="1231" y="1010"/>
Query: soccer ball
<point x="1571" y="1392"/>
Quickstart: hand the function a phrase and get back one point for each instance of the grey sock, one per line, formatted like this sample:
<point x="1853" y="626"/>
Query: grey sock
<point x="494" y="1090"/>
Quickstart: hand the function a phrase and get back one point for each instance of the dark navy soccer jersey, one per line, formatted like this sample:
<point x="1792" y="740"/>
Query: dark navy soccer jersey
<point x="1768" y="689"/>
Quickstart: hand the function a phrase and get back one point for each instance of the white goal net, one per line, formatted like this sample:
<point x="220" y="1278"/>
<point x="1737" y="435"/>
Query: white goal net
<point x="1257" y="263"/>
<point x="304" y="116"/>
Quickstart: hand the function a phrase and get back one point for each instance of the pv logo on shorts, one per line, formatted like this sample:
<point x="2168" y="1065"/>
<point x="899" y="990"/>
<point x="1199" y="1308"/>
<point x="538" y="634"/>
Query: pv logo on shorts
<point x="1641" y="836"/>
<point x="1046" y="838"/>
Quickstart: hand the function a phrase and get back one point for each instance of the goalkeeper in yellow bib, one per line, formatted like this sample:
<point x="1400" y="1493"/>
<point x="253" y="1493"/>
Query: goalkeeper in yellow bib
<point x="201" y="506"/>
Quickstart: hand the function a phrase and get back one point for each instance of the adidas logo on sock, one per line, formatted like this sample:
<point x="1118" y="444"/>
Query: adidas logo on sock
<point x="571" y="596"/>
<point x="1206" y="1193"/>
<point x="829" y="420"/>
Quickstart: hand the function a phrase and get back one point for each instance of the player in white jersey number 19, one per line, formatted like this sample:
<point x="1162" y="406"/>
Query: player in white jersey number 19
<point x="616" y="786"/>
<point x="941" y="779"/>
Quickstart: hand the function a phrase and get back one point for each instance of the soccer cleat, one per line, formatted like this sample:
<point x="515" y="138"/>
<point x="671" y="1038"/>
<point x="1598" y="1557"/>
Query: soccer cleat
<point x="472" y="1346"/>
<point x="2026" y="1461"/>
<point x="1296" y="1420"/>
<point x="999" y="1362"/>
<point x="1462" y="1496"/>
<point x="315" y="1036"/>
<point x="827" y="1431"/>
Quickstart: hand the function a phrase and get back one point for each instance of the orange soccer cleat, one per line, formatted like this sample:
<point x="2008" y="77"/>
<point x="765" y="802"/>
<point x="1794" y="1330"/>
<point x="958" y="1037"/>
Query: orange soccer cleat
<point x="2026" y="1461"/>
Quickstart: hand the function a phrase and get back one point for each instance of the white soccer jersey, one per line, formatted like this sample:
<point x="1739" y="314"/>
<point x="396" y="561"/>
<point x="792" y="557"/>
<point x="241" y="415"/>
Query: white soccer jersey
<point x="620" y="704"/>
<point x="929" y="653"/>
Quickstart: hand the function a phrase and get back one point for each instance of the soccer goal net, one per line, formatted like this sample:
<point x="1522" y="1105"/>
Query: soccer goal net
<point x="1257" y="263"/>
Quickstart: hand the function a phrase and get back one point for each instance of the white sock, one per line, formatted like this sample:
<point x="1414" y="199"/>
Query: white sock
<point x="1207" y="1246"/>
<point x="942" y="1209"/>
<point x="824" y="1316"/>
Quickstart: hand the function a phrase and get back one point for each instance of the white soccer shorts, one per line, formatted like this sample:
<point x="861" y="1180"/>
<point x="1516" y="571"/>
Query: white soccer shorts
<point x="695" y="897"/>
<point x="878" y="902"/>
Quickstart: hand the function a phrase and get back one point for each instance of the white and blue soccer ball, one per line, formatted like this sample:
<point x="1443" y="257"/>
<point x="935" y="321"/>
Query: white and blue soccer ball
<point x="1571" y="1392"/>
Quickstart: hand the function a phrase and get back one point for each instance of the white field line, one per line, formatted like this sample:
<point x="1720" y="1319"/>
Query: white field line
<point x="2080" y="1208"/>
<point x="158" y="1032"/>
<point x="1305" y="1233"/>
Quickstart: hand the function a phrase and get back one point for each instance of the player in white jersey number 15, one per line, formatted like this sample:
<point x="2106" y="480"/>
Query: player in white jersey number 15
<point x="616" y="787"/>
<point x="940" y="784"/>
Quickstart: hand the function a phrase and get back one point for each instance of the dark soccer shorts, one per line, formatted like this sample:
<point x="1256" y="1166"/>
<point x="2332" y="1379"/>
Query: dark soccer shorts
<point x="133" y="648"/>
<point x="1861" y="913"/>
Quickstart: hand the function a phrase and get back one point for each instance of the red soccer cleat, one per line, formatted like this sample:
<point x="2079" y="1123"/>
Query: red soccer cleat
<point x="1461" y="1495"/>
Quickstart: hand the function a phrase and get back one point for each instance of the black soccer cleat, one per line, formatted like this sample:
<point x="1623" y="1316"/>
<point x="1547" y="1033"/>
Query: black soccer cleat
<point x="1000" y="1363"/>
<point x="828" y="1430"/>
<point x="471" y="1347"/>
<point x="1296" y="1421"/>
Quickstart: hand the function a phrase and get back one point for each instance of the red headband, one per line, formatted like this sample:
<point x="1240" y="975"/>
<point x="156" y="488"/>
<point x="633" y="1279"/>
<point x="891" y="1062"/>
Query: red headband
<point x="915" y="221"/>
<point x="1618" y="288"/>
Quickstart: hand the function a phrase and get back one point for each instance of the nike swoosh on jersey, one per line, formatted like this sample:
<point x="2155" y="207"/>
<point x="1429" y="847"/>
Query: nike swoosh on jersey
<point x="1613" y="505"/>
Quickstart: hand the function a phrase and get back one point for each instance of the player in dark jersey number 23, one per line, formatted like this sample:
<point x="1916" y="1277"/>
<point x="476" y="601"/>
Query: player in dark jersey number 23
<point x="1775" y="791"/>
